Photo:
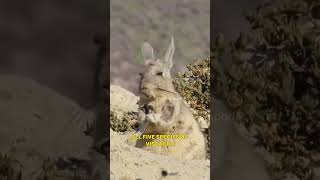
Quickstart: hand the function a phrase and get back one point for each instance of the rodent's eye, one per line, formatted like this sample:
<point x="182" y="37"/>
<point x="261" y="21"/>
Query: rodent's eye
<point x="159" y="73"/>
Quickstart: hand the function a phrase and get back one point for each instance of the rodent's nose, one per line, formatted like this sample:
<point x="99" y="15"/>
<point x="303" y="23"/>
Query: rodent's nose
<point x="145" y="90"/>
<point x="146" y="86"/>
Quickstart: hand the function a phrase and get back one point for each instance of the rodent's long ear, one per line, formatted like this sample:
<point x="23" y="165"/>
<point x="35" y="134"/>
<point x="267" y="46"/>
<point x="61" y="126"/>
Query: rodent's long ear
<point x="169" y="53"/>
<point x="147" y="51"/>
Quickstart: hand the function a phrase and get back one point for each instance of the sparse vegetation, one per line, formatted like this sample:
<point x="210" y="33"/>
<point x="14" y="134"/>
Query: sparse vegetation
<point x="194" y="87"/>
<point x="123" y="124"/>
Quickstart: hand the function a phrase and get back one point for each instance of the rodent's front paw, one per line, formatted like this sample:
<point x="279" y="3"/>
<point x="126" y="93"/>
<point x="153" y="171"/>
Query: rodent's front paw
<point x="141" y="115"/>
<point x="148" y="109"/>
<point x="152" y="117"/>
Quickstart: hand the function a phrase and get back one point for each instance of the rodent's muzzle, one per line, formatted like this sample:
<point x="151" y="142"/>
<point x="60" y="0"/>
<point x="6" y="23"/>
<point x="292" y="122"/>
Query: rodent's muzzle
<point x="144" y="90"/>
<point x="147" y="89"/>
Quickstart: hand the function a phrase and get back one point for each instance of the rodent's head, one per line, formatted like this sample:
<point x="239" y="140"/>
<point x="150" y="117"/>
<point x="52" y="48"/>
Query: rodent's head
<point x="156" y="78"/>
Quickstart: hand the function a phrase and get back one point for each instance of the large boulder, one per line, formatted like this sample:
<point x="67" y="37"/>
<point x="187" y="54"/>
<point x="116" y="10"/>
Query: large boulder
<point x="122" y="101"/>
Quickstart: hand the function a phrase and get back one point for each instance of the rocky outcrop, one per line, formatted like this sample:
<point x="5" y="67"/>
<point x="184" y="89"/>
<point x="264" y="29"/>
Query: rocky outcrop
<point x="122" y="101"/>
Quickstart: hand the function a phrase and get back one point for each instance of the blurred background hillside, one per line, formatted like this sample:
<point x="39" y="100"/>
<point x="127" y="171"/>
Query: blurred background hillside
<point x="133" y="22"/>
<point x="51" y="41"/>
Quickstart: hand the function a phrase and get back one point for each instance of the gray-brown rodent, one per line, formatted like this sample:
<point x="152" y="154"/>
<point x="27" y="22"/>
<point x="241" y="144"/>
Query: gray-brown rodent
<point x="165" y="111"/>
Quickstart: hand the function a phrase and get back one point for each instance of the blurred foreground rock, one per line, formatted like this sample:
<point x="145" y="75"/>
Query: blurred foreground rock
<point x="37" y="126"/>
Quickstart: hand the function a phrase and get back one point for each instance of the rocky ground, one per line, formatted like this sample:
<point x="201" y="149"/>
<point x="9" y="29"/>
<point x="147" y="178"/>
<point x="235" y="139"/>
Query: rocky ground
<point x="130" y="163"/>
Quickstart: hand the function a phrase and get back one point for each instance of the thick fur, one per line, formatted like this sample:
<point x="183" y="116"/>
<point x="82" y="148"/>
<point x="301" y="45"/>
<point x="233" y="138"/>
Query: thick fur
<point x="166" y="112"/>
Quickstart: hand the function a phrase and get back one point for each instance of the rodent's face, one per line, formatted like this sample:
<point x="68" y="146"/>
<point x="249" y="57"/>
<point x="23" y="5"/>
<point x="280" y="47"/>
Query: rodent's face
<point x="155" y="79"/>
